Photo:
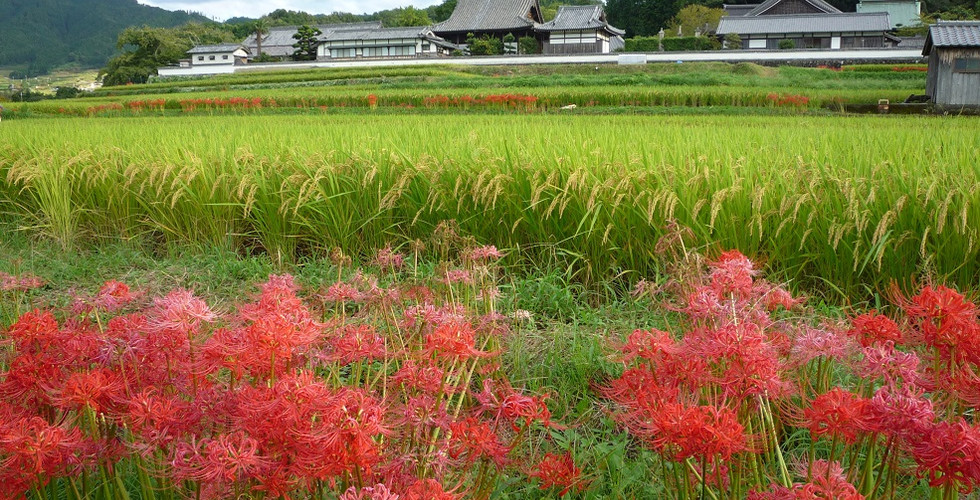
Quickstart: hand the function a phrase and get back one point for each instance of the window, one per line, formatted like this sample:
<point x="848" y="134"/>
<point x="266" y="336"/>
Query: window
<point x="225" y="57"/>
<point x="210" y="58"/>
<point x="966" y="65"/>
<point x="200" y="58"/>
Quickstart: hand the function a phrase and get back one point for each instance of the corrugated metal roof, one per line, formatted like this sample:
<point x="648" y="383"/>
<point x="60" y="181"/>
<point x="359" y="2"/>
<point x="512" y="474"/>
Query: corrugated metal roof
<point x="952" y="34"/>
<point x="804" y="23"/>
<point x="211" y="49"/>
<point x="278" y="42"/>
<point x="491" y="15"/>
<point x="820" y="5"/>
<point x="739" y="10"/>
<point x="579" y="17"/>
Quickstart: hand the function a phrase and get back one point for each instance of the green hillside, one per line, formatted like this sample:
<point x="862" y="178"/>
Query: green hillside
<point x="43" y="34"/>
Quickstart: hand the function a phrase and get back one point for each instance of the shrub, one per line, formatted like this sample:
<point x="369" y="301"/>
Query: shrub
<point x="528" y="45"/>
<point x="643" y="44"/>
<point x="733" y="41"/>
<point x="688" y="43"/>
<point x="787" y="45"/>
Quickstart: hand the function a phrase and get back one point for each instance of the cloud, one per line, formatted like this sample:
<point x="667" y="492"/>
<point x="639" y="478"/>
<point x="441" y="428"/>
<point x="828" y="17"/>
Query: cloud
<point x="224" y="9"/>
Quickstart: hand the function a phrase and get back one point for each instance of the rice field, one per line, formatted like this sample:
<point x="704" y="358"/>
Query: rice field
<point x="830" y="203"/>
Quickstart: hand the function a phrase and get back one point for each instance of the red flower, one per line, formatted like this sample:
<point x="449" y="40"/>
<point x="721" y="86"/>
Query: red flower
<point x="949" y="454"/>
<point x="838" y="413"/>
<point x="113" y="296"/>
<point x="558" y="471"/>
<point x="453" y="339"/>
<point x="872" y="328"/>
<point x="473" y="439"/>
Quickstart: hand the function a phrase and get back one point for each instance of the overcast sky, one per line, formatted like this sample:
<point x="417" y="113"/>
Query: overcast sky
<point x="223" y="9"/>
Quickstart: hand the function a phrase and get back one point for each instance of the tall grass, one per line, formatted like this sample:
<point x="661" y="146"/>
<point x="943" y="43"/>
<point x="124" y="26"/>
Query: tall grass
<point x="852" y="201"/>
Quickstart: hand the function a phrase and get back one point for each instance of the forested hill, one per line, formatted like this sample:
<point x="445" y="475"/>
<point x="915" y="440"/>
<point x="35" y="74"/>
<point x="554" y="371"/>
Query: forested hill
<point x="43" y="34"/>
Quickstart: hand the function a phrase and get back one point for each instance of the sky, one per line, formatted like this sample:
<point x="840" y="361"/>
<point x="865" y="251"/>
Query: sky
<point x="223" y="9"/>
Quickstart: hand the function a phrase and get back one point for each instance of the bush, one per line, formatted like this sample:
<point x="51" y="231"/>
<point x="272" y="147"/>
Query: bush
<point x="733" y="41"/>
<point x="528" y="45"/>
<point x="690" y="43"/>
<point x="787" y="45"/>
<point x="484" y="46"/>
<point x="642" y="44"/>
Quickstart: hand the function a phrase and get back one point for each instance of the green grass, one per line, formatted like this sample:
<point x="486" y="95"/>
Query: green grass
<point x="839" y="205"/>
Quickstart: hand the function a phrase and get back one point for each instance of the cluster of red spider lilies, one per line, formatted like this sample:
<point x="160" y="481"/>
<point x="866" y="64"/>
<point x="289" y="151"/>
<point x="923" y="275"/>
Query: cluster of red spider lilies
<point x="361" y="390"/>
<point x="356" y="390"/>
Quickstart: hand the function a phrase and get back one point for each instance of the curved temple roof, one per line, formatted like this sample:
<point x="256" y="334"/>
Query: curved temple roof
<point x="581" y="17"/>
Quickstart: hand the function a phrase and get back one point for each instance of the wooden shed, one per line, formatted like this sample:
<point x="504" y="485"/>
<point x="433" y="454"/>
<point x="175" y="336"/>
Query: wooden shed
<point x="953" y="48"/>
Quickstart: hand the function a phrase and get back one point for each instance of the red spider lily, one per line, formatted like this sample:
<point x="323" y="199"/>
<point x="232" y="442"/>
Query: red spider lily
<point x="34" y="331"/>
<point x="427" y="489"/>
<point x="775" y="297"/>
<point x="901" y="413"/>
<point x="423" y="377"/>
<point x="949" y="454"/>
<point x="872" y="328"/>
<point x="947" y="322"/>
<point x="174" y="318"/>
<point x="453" y="339"/>
<point x="698" y="431"/>
<point x="828" y="343"/>
<point x="28" y="379"/>
<point x="732" y="274"/>
<point x="483" y="254"/>
<point x="649" y="345"/>
<point x="839" y="414"/>
<point x="35" y="447"/>
<point x="457" y="276"/>
<point x="472" y="439"/>
<point x="343" y="292"/>
<point x="389" y="260"/>
<point x="501" y="400"/>
<point x="159" y="420"/>
<point x="23" y="283"/>
<point x="113" y="296"/>
<point x="420" y="414"/>
<point x="704" y="303"/>
<point x="97" y="389"/>
<point x="376" y="492"/>
<point x="356" y="343"/>
<point x="828" y="483"/>
<point x="883" y="361"/>
<point x="558" y="471"/>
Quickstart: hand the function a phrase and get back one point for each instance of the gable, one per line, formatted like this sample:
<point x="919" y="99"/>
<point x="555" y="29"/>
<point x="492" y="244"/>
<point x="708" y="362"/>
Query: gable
<point x="793" y="7"/>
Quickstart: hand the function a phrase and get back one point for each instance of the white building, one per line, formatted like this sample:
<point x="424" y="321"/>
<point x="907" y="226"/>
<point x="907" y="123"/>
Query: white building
<point x="580" y="29"/>
<point x="229" y="53"/>
<point x="382" y="43"/>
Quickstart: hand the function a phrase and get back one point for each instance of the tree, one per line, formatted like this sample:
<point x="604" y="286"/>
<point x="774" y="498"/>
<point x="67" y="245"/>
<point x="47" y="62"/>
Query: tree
<point x="260" y="28"/>
<point x="145" y="49"/>
<point x="410" y="16"/>
<point x="695" y="18"/>
<point x="306" y="43"/>
<point x="640" y="17"/>
<point x="441" y="12"/>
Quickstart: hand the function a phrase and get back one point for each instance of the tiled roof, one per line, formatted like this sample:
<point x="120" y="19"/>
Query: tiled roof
<point x="804" y="23"/>
<point x="490" y="15"/>
<point x="952" y="34"/>
<point x="374" y="34"/>
<point x="212" y="49"/>
<point x="739" y="10"/>
<point x="278" y="41"/>
<point x="820" y="5"/>
<point x="579" y="18"/>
